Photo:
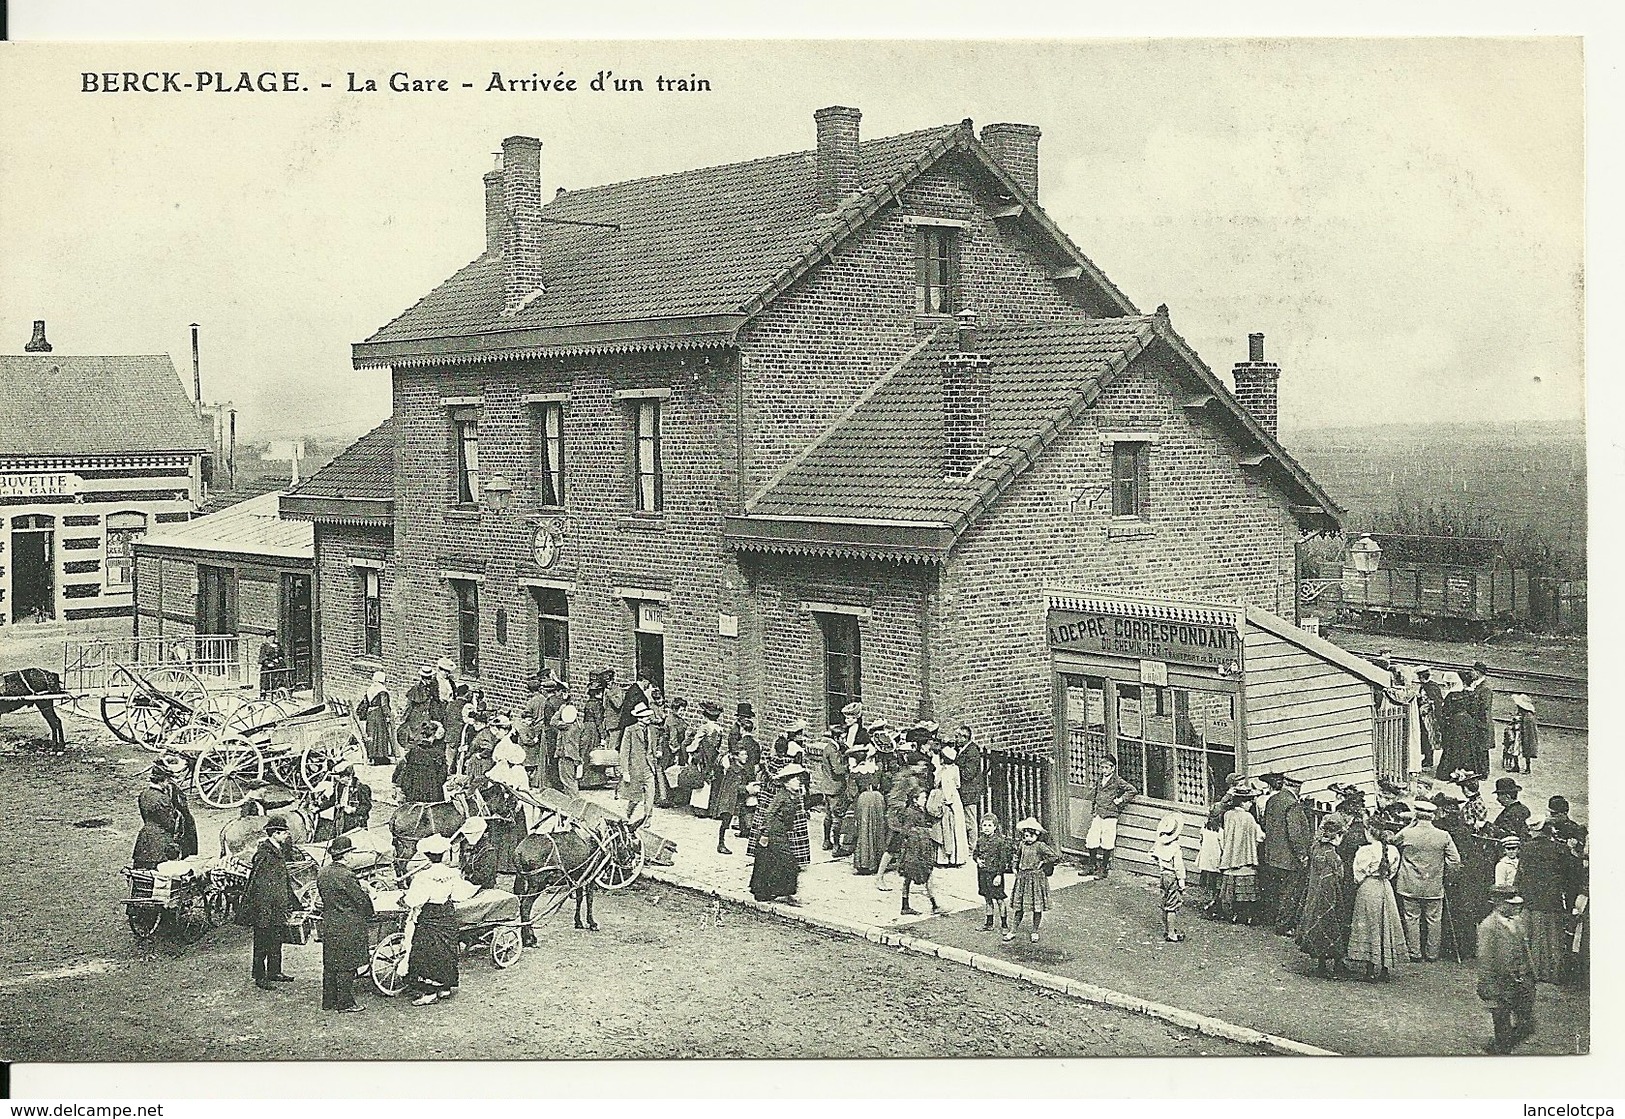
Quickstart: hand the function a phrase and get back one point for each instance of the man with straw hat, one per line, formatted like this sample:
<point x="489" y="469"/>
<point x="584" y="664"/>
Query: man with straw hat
<point x="346" y="906"/>
<point x="1427" y="856"/>
<point x="638" y="755"/>
<point x="1506" y="972"/>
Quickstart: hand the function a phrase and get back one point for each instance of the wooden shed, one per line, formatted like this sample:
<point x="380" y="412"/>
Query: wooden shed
<point x="1183" y="694"/>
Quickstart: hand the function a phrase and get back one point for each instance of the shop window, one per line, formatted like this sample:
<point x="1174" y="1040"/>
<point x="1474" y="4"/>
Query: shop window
<point x="648" y="482"/>
<point x="843" y="663"/>
<point x="1131" y="474"/>
<point x="465" y="448"/>
<point x="936" y="263"/>
<point x="649" y="640"/>
<point x="550" y="454"/>
<point x="216" y="600"/>
<point x="466" y="594"/>
<point x="1086" y="740"/>
<point x="552" y="632"/>
<point x="123" y="530"/>
<point x="372" y="614"/>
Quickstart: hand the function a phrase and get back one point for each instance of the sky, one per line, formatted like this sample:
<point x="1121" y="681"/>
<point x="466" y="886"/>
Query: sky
<point x="1402" y="218"/>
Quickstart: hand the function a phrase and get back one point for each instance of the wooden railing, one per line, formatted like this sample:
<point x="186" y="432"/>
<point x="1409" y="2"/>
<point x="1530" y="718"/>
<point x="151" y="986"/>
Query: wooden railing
<point x="1018" y="786"/>
<point x="220" y="660"/>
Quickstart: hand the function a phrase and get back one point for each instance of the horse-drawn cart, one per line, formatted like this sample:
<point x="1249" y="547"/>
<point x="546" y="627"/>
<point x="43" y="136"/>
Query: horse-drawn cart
<point x="488" y="921"/>
<point x="297" y="750"/>
<point x="193" y="899"/>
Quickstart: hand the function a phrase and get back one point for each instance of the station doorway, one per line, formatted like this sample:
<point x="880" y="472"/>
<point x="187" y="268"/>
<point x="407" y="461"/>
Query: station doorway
<point x="33" y="568"/>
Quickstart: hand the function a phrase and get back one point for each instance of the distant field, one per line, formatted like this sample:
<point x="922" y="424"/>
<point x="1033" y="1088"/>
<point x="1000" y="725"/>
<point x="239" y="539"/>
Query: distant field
<point x="1523" y="476"/>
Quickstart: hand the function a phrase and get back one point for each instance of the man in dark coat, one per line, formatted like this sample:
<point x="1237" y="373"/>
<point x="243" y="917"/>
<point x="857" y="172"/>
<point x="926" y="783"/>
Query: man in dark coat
<point x="346" y="905"/>
<point x="346" y="805"/>
<point x="1284" y="864"/>
<point x="1506" y="972"/>
<point x="1513" y="818"/>
<point x="972" y="778"/>
<point x="153" y="845"/>
<point x="164" y="798"/>
<point x="1431" y="714"/>
<point x="1479" y="704"/>
<point x="267" y="901"/>
<point x="419" y="709"/>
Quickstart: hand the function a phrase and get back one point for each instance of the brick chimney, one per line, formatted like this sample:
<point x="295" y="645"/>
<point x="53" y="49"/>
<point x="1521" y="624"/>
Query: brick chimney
<point x="496" y="213"/>
<point x="521" y="179"/>
<point x="1256" y="383"/>
<point x="1015" y="146"/>
<point x="838" y="177"/>
<point x="966" y="402"/>
<point x="38" y="344"/>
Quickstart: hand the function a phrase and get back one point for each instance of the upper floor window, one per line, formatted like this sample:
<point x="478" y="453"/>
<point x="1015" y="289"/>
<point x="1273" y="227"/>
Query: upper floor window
<point x="936" y="264"/>
<point x="550" y="454"/>
<point x="1131" y="476"/>
<point x="465" y="438"/>
<point x="649" y="485"/>
<point x="372" y="614"/>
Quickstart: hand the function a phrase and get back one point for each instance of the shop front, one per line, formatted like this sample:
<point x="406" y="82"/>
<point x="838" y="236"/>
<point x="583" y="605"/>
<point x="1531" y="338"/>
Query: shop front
<point x="1168" y="690"/>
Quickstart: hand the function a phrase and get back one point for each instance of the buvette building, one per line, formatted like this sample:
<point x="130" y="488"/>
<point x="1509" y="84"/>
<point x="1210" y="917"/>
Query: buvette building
<point x="95" y="451"/>
<point x="856" y="421"/>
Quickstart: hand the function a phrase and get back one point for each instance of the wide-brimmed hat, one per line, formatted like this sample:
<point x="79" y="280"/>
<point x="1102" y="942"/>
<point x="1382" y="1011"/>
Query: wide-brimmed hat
<point x="789" y="771"/>
<point x="567" y="714"/>
<point x="1170" y="825"/>
<point x="949" y="752"/>
<point x="473" y="828"/>
<point x="501" y="722"/>
<point x="276" y="823"/>
<point x="797" y="726"/>
<point x="426" y="672"/>
<point x="642" y="711"/>
<point x="853" y="708"/>
<point x="1511" y="841"/>
<point x="1274" y="779"/>
<point x="710" y="710"/>
<point x="1507" y="785"/>
<point x="446" y="664"/>
<point x="1423" y="670"/>
<point x="1030" y="824"/>
<point x="1523" y="702"/>
<point x="343" y="845"/>
<point x="435" y="844"/>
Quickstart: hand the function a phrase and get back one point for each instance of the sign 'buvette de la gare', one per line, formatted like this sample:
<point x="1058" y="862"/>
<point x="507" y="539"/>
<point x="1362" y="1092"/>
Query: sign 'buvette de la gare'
<point x="1143" y="638"/>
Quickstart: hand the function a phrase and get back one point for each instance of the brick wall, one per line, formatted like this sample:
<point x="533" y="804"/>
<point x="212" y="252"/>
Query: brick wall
<point x="1213" y="535"/>
<point x="821" y="344"/>
<point x="892" y="596"/>
<point x="605" y="544"/>
<point x="345" y="671"/>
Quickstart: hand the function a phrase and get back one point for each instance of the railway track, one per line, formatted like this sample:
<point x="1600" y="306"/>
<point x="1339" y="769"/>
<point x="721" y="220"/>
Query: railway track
<point x="1568" y="694"/>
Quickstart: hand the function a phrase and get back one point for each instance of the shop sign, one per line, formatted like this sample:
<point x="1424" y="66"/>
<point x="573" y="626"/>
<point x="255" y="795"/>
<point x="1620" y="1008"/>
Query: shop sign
<point x="26" y="487"/>
<point x="1154" y="673"/>
<point x="1144" y="639"/>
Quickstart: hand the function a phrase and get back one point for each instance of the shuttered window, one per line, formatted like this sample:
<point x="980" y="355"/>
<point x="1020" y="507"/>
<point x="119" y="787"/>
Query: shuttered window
<point x="1131" y="474"/>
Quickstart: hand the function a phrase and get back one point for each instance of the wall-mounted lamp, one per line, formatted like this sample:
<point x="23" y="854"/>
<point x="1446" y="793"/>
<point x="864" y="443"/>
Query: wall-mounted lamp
<point x="498" y="492"/>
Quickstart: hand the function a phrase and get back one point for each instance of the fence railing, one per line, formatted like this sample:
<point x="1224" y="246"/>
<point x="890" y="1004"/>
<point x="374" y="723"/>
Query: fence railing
<point x="1018" y="786"/>
<point x="1389" y="744"/>
<point x="220" y="660"/>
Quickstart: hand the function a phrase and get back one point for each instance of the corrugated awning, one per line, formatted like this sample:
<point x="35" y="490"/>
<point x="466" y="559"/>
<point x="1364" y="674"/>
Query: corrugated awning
<point x="1161" y="610"/>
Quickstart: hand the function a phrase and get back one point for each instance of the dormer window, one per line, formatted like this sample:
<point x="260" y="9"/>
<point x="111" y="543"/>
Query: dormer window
<point x="936" y="266"/>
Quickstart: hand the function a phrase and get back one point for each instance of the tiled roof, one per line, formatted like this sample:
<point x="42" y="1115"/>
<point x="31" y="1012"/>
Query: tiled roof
<point x="884" y="460"/>
<point x="365" y="471"/>
<point x="250" y="528"/>
<point x="695" y="243"/>
<point x="52" y="404"/>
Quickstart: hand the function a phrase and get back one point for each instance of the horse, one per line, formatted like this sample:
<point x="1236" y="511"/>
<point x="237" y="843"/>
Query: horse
<point x="547" y="860"/>
<point x="24" y="687"/>
<point x="418" y="820"/>
<point x="243" y="833"/>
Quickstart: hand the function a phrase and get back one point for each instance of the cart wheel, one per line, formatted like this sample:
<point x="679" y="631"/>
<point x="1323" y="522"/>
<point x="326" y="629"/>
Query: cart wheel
<point x="506" y="945"/>
<point x="216" y="906"/>
<point x="625" y="860"/>
<point x="225" y="771"/>
<point x="251" y="715"/>
<point x="317" y="760"/>
<point x="284" y="770"/>
<point x="144" y="921"/>
<point x="385" y="958"/>
<point x="200" y="730"/>
<point x="135" y="719"/>
<point x="181" y="685"/>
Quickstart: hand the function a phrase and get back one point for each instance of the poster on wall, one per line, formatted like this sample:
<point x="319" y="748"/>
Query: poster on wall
<point x="1128" y="716"/>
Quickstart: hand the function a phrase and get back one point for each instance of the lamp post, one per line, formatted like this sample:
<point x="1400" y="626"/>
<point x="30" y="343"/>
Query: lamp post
<point x="498" y="492"/>
<point x="1365" y="554"/>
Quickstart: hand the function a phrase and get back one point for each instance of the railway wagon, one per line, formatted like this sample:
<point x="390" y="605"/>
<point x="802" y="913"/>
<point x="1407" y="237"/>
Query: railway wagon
<point x="1452" y="583"/>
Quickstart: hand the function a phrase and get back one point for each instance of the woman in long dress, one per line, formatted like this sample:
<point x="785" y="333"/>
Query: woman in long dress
<point x="432" y="927"/>
<point x="950" y="829"/>
<point x="1321" y="933"/>
<point x="776" y="875"/>
<point x="373" y="711"/>
<point x="1238" y="860"/>
<point x="870" y="809"/>
<point x="1376" y="937"/>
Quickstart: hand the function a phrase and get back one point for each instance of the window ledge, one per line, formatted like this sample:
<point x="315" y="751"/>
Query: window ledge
<point x="367" y="664"/>
<point x="931" y="322"/>
<point x="463" y="514"/>
<point x="1129" y="527"/>
<point x="643" y="522"/>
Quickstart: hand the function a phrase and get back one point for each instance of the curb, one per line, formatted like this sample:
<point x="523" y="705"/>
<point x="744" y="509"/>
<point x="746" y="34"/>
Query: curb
<point x="1071" y="988"/>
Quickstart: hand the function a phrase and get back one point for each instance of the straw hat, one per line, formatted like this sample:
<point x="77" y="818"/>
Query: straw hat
<point x="642" y="711"/>
<point x="1169" y="826"/>
<point x="1523" y="702"/>
<point x="1030" y="824"/>
<point x="446" y="664"/>
<point x="790" y="771"/>
<point x="435" y="844"/>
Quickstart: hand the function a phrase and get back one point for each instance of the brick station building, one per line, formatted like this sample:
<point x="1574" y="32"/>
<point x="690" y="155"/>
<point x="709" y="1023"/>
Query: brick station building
<point x="731" y="424"/>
